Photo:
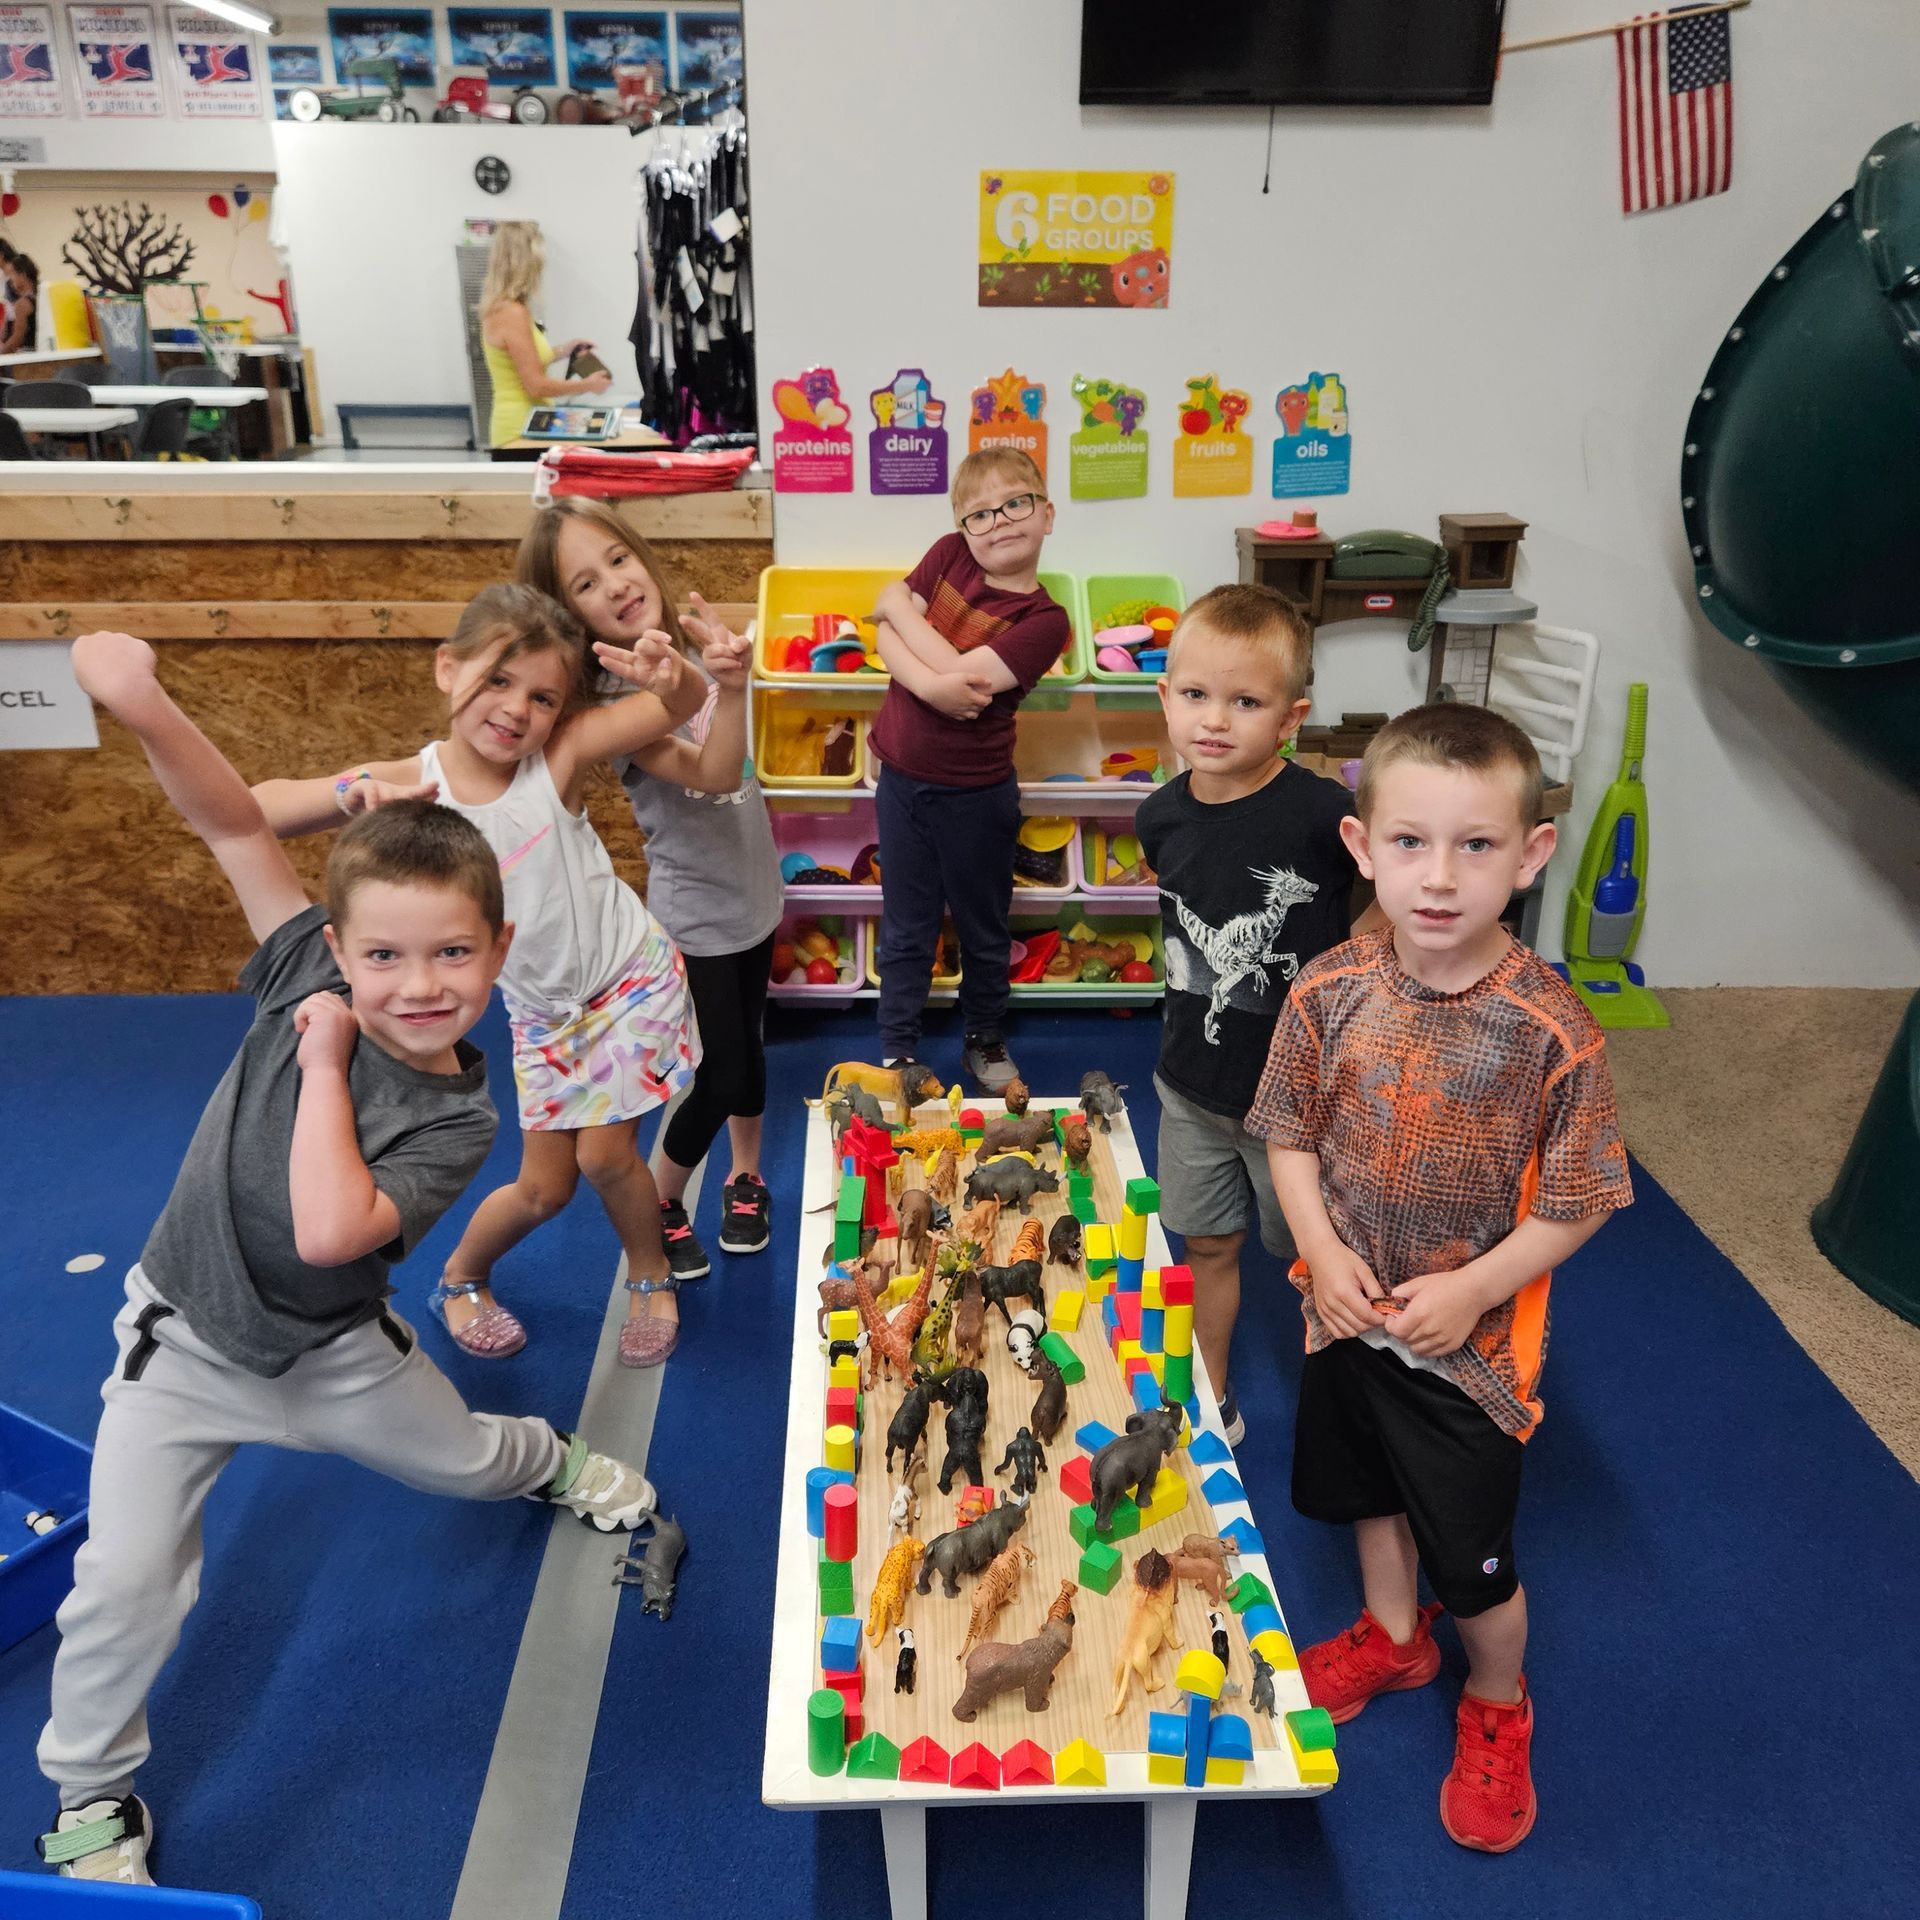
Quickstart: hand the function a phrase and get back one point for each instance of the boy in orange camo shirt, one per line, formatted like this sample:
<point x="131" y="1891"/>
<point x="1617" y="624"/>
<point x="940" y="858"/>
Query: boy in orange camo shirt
<point x="1440" y="1124"/>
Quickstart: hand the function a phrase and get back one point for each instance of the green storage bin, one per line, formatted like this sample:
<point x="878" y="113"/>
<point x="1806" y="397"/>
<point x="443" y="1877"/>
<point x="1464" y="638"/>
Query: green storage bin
<point x="1106" y="590"/>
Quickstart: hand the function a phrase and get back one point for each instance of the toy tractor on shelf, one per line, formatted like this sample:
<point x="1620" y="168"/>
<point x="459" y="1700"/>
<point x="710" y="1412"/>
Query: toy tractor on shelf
<point x="385" y="101"/>
<point x="470" y="99"/>
<point x="638" y="95"/>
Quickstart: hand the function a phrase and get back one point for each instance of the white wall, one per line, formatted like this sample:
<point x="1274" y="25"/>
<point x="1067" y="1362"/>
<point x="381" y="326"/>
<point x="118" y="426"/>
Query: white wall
<point x="373" y="213"/>
<point x="1509" y="342"/>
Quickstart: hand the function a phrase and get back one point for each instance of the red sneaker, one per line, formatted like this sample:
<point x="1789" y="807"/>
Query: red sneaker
<point x="1344" y="1673"/>
<point x="1487" y="1802"/>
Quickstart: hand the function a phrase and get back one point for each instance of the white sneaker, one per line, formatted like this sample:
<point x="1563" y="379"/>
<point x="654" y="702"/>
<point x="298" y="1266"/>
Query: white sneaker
<point x="104" y="1840"/>
<point x="603" y="1491"/>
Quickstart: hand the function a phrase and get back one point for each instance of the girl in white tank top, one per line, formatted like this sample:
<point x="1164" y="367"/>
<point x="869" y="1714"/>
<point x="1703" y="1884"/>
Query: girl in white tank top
<point x="595" y="992"/>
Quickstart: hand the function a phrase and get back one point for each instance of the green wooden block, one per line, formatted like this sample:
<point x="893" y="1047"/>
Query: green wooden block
<point x="1177" y="1383"/>
<point x="1143" y="1195"/>
<point x="1084" y="1211"/>
<point x="1249" y="1591"/>
<point x="1079" y="1186"/>
<point x="849" y="1206"/>
<point x="1312" y="1729"/>
<point x="1072" y="1368"/>
<point x="1100" y="1567"/>
<point x="874" y="1757"/>
<point x="1123" y="1526"/>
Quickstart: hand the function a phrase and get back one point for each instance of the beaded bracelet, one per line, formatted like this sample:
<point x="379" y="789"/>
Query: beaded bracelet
<point x="346" y="782"/>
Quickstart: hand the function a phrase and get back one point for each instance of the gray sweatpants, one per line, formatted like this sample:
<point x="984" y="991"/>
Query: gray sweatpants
<point x="175" y="1413"/>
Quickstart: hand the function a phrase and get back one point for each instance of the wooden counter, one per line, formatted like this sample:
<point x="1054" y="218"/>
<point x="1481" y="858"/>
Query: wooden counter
<point x="294" y="610"/>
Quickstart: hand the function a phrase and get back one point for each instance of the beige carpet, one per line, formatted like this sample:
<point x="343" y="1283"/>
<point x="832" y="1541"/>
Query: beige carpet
<point x="1743" y="1111"/>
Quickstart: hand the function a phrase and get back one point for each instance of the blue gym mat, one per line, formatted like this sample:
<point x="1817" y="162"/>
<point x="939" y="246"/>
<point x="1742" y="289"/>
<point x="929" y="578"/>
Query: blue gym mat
<point x="1720" y="1556"/>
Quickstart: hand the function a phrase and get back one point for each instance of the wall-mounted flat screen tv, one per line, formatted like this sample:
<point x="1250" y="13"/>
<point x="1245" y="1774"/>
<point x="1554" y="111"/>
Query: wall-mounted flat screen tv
<point x="1342" y="53"/>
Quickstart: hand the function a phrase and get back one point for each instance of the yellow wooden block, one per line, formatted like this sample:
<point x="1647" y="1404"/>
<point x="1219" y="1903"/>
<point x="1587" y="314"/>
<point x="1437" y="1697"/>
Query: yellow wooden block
<point x="1169" y="1497"/>
<point x="1275" y="1649"/>
<point x="1176" y="1330"/>
<point x="1099" y="1285"/>
<point x="845" y="1372"/>
<point x="1157" y="1364"/>
<point x="1080" y="1764"/>
<point x="1064" y="1316"/>
<point x="1200" y="1672"/>
<point x="843" y="1324"/>
<point x="1226" y="1773"/>
<point x="1150" y="1288"/>
<point x="1166" y="1769"/>
<point x="1319" y="1769"/>
<point x="1125" y="1350"/>
<point x="839" y="1448"/>
<point x="1132" y="1237"/>
<point x="1096" y="1245"/>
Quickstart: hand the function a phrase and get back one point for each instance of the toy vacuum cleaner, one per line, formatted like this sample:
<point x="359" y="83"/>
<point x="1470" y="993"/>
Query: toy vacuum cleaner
<point x="1609" y="896"/>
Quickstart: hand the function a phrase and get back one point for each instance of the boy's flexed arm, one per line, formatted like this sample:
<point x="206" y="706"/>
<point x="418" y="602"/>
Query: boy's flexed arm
<point x="339" y="1214"/>
<point x="120" y="673"/>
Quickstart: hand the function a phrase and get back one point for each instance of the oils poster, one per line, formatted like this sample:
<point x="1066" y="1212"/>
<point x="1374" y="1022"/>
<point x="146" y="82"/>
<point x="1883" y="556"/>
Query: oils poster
<point x="1052" y="239"/>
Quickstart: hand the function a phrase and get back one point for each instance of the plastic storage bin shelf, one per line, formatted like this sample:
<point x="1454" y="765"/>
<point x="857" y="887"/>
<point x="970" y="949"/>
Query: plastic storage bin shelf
<point x="44" y="1470"/>
<point x="1106" y="590"/>
<point x="1075" y="741"/>
<point x="789" y="741"/>
<point x="852" y="937"/>
<point x="1106" y="926"/>
<point x="44" y="1896"/>
<point x="830" y="839"/>
<point x="1092" y="852"/>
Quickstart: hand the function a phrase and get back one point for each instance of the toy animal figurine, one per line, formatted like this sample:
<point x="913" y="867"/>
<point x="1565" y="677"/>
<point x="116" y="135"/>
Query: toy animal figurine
<point x="909" y="1423"/>
<point x="1023" y="1336"/>
<point x="1012" y="1134"/>
<point x="1076" y="1143"/>
<point x="916" y="1224"/>
<point x="1100" y="1099"/>
<point x="1027" y="1457"/>
<point x="1217" y="1629"/>
<point x="970" y="1320"/>
<point x="1050" y="1409"/>
<point x="1030" y="1243"/>
<point x="1201" y="1559"/>
<point x="1012" y="1182"/>
<point x="657" y="1570"/>
<point x="889" y="1603"/>
<point x="1149" y="1627"/>
<point x="1015" y="1096"/>
<point x="966" y="1427"/>
<point x="1262" y="1700"/>
<point x="978" y="1222"/>
<point x="904" y="1667"/>
<point x="943" y="1176"/>
<point x="930" y="1353"/>
<point x="1130" y="1462"/>
<point x="908" y="1085"/>
<point x="994" y="1669"/>
<point x="921" y="1141"/>
<point x="837" y="1292"/>
<point x="969" y="1549"/>
<point x="890" y="1342"/>
<point x="904" y="1508"/>
<point x="1064" y="1245"/>
<point x="847" y="1104"/>
<point x="997" y="1587"/>
<point x="1021" y="1281"/>
<point x="974" y="1504"/>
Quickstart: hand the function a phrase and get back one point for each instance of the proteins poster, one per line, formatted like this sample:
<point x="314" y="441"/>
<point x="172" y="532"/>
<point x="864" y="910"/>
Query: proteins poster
<point x="114" y="63"/>
<point x="30" y="86"/>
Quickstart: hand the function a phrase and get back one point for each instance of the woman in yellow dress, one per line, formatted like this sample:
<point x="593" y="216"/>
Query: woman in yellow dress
<point x="518" y="353"/>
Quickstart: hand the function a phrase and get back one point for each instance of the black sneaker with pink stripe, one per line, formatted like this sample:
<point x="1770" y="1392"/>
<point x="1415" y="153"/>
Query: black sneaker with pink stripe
<point x="746" y="1215"/>
<point x="686" y="1257"/>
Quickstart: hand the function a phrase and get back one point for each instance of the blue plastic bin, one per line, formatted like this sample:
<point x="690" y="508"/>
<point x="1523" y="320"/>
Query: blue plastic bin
<point x="38" y="1469"/>
<point x="29" y="1896"/>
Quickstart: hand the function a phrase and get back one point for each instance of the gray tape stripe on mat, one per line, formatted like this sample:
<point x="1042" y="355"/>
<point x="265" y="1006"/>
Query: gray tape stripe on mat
<point x="522" y="1841"/>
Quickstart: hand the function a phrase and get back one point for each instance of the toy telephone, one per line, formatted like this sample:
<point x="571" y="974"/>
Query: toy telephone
<point x="1382" y="554"/>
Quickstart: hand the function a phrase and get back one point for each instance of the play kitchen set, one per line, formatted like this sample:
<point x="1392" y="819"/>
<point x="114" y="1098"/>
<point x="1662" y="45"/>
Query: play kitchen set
<point x="1092" y="741"/>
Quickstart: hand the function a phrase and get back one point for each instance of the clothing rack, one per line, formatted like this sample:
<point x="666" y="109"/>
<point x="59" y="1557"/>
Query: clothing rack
<point x="692" y="331"/>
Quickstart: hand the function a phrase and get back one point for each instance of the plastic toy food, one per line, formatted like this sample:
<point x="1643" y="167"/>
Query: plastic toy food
<point x="1136" y="973"/>
<point x="783" y="958"/>
<point x="822" y="973"/>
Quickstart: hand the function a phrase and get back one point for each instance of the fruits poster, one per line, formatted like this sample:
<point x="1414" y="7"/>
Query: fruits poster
<point x="1054" y="239"/>
<point x="1314" y="454"/>
<point x="1213" y="457"/>
<point x="813" y="445"/>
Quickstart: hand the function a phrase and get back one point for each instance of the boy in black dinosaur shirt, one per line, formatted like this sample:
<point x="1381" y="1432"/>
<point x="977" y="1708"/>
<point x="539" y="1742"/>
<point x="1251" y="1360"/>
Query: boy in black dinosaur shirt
<point x="1254" y="882"/>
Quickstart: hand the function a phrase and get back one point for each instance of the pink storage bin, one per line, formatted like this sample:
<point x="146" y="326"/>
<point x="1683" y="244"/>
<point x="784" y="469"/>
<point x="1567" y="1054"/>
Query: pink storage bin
<point x="832" y="840"/>
<point x="852" y="935"/>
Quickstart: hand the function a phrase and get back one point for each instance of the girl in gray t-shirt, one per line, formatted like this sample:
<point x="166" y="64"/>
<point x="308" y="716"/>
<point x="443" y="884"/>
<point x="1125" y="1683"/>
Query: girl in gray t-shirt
<point x="713" y="872"/>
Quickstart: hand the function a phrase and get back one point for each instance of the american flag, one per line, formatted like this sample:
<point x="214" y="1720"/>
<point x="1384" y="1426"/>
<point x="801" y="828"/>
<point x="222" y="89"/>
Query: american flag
<point x="1676" y="108"/>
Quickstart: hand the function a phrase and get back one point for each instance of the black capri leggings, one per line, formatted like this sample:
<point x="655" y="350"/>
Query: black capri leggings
<point x="730" y="1002"/>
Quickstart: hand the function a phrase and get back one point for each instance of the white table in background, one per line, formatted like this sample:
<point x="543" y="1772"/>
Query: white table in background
<point x="130" y="396"/>
<point x="88" y="420"/>
<point x="52" y="357"/>
<point x="786" y="1781"/>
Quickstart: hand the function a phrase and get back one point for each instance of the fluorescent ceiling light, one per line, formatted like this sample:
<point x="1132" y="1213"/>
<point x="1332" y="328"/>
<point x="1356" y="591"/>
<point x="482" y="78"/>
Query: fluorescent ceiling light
<point x="242" y="16"/>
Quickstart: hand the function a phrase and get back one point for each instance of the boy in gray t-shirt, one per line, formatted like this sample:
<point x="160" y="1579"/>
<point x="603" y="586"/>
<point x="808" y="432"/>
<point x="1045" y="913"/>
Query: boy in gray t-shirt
<point x="352" y="1116"/>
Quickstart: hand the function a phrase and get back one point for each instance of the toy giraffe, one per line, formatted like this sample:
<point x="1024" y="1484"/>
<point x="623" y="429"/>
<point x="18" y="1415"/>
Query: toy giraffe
<point x="998" y="1585"/>
<point x="889" y="1604"/>
<point x="890" y="1342"/>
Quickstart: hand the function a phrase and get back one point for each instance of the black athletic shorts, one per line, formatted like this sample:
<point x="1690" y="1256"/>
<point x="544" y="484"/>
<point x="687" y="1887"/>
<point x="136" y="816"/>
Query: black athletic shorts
<point x="1374" y="1437"/>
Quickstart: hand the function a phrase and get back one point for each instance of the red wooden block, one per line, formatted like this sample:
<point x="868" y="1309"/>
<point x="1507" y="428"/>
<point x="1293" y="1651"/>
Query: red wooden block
<point x="926" y="1759"/>
<point x="976" y="1766"/>
<point x="1137" y="1363"/>
<point x="841" y="1507"/>
<point x="849" y="1686"/>
<point x="1176" y="1286"/>
<point x="972" y="1119"/>
<point x="1026" y="1764"/>
<point x="1128" y="1307"/>
<point x="1076" y="1480"/>
<point x="855" y="1724"/>
<point x="843" y="1407"/>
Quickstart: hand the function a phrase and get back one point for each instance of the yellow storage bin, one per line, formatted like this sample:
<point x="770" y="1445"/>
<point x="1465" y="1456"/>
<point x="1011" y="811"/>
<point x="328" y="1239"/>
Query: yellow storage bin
<point x="794" y="742"/>
<point x="943" y="981"/>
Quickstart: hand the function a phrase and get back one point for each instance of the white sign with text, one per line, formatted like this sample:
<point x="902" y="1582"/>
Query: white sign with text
<point x="41" y="704"/>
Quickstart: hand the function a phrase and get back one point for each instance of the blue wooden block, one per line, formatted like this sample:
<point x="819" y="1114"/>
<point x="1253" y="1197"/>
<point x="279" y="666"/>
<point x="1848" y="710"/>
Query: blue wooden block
<point x="1221" y="1488"/>
<point x="819" y="1479"/>
<point x="840" y="1645"/>
<point x="1132" y="1274"/>
<point x="1146" y="1391"/>
<point x="1109" y="1310"/>
<point x="1208" y="1449"/>
<point x="1093" y="1436"/>
<point x="1245" y="1537"/>
<point x="1153" y="1330"/>
<point x="1229" y="1738"/>
<point x="1259" y="1619"/>
<point x="1166" y="1733"/>
<point x="1199" y="1713"/>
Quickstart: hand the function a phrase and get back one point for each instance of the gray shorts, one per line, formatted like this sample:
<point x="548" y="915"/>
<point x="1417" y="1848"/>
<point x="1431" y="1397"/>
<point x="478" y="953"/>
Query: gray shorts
<point x="1213" y="1175"/>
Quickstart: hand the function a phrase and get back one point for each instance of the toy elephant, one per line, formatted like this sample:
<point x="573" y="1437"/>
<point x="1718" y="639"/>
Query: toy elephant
<point x="1012" y="1182"/>
<point x="1130" y="1462"/>
<point x="1100" y="1099"/>
<point x="969" y="1549"/>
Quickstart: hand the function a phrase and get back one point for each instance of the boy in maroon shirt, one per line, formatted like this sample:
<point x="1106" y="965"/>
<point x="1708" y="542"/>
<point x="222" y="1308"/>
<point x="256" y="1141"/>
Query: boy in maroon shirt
<point x="966" y="636"/>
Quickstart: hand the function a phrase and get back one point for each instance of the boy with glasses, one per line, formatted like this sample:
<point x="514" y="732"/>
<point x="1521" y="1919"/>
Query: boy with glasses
<point x="966" y="636"/>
